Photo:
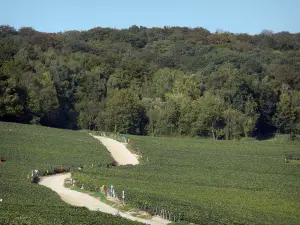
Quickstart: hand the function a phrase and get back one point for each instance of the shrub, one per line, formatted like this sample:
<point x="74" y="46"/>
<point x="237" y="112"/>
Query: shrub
<point x="35" y="179"/>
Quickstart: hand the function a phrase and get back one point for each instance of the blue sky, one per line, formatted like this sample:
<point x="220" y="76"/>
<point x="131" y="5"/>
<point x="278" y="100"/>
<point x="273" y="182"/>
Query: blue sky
<point x="238" y="16"/>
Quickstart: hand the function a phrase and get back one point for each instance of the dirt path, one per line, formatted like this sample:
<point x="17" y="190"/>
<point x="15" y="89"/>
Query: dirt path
<point x="118" y="151"/>
<point x="56" y="183"/>
<point x="123" y="156"/>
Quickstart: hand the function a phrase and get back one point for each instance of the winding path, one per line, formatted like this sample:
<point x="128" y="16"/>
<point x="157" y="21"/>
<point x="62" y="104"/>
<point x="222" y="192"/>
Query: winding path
<point x="118" y="151"/>
<point x="123" y="156"/>
<point x="56" y="183"/>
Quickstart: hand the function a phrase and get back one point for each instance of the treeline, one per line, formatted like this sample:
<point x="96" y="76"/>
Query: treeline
<point x="152" y="81"/>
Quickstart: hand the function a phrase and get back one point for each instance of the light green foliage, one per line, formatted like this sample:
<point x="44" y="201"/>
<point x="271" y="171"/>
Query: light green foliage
<point x="10" y="104"/>
<point x="186" y="85"/>
<point x="288" y="112"/>
<point x="124" y="113"/>
<point x="162" y="46"/>
<point x="233" y="119"/>
<point x="168" y="118"/>
<point x="119" y="80"/>
<point x="250" y="117"/>
<point x="221" y="81"/>
<point x="209" y="110"/>
<point x="42" y="97"/>
<point x="154" y="113"/>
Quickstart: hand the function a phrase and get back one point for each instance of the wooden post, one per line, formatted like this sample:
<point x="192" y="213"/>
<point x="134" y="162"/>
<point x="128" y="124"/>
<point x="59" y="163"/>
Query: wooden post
<point x="123" y="197"/>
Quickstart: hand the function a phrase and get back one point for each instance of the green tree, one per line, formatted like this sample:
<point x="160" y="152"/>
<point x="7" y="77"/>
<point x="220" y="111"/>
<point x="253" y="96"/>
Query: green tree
<point x="234" y="123"/>
<point x="42" y="98"/>
<point x="209" y="110"/>
<point x="163" y="81"/>
<point x="11" y="105"/>
<point x="288" y="112"/>
<point x="88" y="112"/>
<point x="153" y="107"/>
<point x="256" y="75"/>
<point x="187" y="85"/>
<point x="250" y="117"/>
<point x="125" y="114"/>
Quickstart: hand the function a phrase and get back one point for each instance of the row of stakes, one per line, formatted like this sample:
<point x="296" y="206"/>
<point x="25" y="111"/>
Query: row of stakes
<point x="108" y="191"/>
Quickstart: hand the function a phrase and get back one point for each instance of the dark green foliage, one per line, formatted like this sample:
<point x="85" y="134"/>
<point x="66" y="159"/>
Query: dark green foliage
<point x="70" y="80"/>
<point x="124" y="113"/>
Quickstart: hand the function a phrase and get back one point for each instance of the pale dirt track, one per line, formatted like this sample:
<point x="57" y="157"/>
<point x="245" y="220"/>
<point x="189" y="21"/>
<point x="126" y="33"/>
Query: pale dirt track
<point x="118" y="151"/>
<point x="123" y="157"/>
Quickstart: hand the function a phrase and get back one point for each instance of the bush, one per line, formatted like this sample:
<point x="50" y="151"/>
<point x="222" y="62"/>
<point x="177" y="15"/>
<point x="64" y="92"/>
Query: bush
<point x="114" y="163"/>
<point x="2" y="159"/>
<point x="35" y="179"/>
<point x="61" y="169"/>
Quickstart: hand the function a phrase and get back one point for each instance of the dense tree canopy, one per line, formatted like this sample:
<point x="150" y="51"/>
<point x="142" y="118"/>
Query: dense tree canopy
<point x="155" y="81"/>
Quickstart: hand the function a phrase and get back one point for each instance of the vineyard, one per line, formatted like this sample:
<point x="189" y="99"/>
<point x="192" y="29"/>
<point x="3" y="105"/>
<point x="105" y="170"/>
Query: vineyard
<point x="199" y="181"/>
<point x="208" y="182"/>
<point x="24" y="148"/>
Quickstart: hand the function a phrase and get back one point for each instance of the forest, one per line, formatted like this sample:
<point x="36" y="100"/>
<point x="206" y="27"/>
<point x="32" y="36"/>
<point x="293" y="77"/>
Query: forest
<point x="170" y="81"/>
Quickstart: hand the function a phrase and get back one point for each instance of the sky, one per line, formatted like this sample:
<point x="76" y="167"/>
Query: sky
<point x="237" y="16"/>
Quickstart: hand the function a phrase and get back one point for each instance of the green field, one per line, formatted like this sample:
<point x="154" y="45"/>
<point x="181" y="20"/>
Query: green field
<point x="209" y="182"/>
<point x="34" y="147"/>
<point x="200" y="181"/>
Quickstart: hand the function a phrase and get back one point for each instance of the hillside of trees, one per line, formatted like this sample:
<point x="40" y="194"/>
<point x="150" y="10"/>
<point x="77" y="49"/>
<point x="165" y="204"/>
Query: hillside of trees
<point x="152" y="81"/>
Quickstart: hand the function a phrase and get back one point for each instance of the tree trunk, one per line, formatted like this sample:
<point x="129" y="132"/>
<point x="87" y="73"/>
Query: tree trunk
<point x="152" y="128"/>
<point x="245" y="132"/>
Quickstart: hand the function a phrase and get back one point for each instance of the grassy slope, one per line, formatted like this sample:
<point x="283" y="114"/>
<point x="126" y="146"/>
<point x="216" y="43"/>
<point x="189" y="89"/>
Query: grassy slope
<point x="211" y="182"/>
<point x="34" y="147"/>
